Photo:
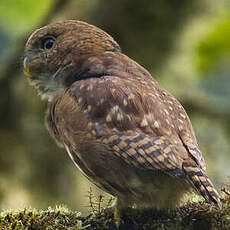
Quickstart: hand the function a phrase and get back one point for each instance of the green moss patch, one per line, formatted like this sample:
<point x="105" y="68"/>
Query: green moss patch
<point x="192" y="216"/>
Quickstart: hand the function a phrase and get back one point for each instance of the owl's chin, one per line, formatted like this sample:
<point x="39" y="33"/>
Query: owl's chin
<point x="47" y="86"/>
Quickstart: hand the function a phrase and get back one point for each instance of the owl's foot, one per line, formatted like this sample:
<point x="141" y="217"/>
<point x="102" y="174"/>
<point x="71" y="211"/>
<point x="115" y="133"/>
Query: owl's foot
<point x="122" y="215"/>
<point x="116" y="211"/>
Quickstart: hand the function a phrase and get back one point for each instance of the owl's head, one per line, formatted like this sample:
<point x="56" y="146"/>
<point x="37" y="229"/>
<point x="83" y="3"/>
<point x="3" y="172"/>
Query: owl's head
<point x="56" y="51"/>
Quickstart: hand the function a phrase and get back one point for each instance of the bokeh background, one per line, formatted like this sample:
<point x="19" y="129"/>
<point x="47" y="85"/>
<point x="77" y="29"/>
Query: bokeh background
<point x="185" y="45"/>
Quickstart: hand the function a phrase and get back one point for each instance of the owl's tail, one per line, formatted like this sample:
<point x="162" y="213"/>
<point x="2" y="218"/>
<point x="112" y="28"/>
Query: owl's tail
<point x="202" y="183"/>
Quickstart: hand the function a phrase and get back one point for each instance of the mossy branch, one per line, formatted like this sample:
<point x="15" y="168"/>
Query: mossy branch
<point x="192" y="216"/>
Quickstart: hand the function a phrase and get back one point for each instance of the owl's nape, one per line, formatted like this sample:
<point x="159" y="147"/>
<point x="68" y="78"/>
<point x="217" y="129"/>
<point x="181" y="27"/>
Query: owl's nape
<point x="128" y="135"/>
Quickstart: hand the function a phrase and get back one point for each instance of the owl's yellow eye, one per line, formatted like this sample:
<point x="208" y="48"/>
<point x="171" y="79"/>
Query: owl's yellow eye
<point x="48" y="43"/>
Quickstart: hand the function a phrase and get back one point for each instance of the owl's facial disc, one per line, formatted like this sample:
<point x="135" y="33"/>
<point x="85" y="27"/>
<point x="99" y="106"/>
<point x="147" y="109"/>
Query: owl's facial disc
<point x="48" y="82"/>
<point x="44" y="68"/>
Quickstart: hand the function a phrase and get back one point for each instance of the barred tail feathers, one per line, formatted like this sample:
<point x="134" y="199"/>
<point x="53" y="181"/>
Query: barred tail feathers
<point x="202" y="183"/>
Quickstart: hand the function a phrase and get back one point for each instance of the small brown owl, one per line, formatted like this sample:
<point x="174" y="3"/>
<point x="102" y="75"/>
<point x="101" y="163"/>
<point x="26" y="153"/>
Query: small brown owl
<point x="124" y="132"/>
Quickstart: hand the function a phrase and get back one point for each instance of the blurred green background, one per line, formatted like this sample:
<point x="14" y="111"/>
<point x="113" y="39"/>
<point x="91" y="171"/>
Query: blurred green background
<point x="184" y="44"/>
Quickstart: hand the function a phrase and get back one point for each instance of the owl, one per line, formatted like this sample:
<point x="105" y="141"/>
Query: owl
<point x="124" y="132"/>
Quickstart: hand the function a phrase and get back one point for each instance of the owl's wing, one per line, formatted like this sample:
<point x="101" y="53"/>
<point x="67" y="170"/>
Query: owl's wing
<point x="143" y="151"/>
<point x="158" y="153"/>
<point x="126" y="97"/>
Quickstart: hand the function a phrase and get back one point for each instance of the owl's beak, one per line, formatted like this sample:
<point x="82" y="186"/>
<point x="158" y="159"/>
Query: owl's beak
<point x="25" y="64"/>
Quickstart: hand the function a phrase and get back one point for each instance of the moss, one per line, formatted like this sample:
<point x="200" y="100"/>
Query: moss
<point x="58" y="218"/>
<point x="192" y="216"/>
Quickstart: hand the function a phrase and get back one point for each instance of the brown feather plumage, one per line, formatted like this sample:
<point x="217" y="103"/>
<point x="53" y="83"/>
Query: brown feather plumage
<point x="128" y="135"/>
